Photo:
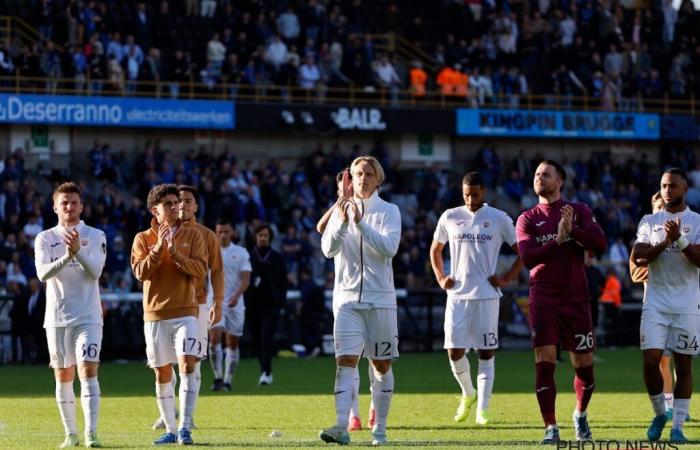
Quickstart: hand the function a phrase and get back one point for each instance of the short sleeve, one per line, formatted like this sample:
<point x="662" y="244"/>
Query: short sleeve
<point x="245" y="265"/>
<point x="644" y="231"/>
<point x="508" y="230"/>
<point x="441" y="234"/>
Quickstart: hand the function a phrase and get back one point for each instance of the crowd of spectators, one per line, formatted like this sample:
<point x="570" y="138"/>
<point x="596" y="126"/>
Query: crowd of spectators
<point x="483" y="51"/>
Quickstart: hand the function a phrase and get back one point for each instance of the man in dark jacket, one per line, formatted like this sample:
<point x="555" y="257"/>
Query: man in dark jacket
<point x="264" y="298"/>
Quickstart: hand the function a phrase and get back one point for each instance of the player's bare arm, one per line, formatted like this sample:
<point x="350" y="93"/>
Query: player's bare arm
<point x="644" y="254"/>
<point x="245" y="282"/>
<point x="504" y="280"/>
<point x="438" y="264"/>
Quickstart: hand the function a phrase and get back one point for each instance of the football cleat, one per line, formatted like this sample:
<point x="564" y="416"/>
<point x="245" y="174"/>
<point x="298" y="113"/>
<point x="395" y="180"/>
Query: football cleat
<point x="482" y="418"/>
<point x="581" y="428"/>
<point x="227" y="387"/>
<point x="378" y="439"/>
<point x="217" y="385"/>
<point x="335" y="434"/>
<point x="92" y="441"/>
<point x="551" y="435"/>
<point x="656" y="427"/>
<point x="465" y="403"/>
<point x="166" y="438"/>
<point x="677" y="436"/>
<point x="184" y="437"/>
<point x="355" y="424"/>
<point x="71" y="440"/>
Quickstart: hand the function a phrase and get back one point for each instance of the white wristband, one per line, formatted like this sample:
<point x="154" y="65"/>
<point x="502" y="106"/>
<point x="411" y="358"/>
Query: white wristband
<point x="682" y="242"/>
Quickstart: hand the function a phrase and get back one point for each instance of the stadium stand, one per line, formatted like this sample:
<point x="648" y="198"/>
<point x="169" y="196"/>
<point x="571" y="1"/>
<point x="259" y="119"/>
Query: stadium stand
<point x="607" y="55"/>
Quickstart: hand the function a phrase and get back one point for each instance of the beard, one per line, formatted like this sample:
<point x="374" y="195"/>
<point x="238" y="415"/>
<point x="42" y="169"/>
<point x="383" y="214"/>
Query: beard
<point x="675" y="202"/>
<point x="542" y="190"/>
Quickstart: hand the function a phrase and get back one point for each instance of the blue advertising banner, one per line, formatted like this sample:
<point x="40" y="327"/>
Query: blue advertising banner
<point x="557" y="124"/>
<point x="684" y="128"/>
<point x="116" y="111"/>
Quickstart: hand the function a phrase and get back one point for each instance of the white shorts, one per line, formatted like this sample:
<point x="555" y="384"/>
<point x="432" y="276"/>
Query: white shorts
<point x="472" y="324"/>
<point x="203" y="328"/>
<point x="168" y="339"/>
<point x="70" y="345"/>
<point x="679" y="333"/>
<point x="232" y="320"/>
<point x="373" y="330"/>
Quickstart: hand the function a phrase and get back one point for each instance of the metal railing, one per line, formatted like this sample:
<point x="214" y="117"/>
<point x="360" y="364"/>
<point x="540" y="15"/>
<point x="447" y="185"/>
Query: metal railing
<point x="17" y="30"/>
<point x="353" y="95"/>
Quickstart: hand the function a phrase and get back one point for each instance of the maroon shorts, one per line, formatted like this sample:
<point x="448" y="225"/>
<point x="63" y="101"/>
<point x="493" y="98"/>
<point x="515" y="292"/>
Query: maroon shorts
<point x="568" y="324"/>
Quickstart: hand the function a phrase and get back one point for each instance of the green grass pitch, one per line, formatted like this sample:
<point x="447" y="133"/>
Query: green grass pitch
<point x="300" y="403"/>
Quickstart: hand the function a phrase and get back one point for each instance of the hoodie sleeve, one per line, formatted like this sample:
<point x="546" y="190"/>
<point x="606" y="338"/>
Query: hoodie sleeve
<point x="143" y="261"/>
<point x="386" y="239"/>
<point x="333" y="236"/>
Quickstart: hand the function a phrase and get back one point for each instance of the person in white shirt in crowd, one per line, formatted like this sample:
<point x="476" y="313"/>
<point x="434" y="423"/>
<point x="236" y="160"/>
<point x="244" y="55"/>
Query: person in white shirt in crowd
<point x="32" y="228"/>
<point x="216" y="51"/>
<point x="387" y="77"/>
<point x="362" y="236"/>
<point x="309" y="74"/>
<point x="276" y="52"/>
<point x="69" y="258"/>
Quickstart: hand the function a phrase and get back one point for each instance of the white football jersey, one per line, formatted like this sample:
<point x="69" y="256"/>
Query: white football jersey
<point x="475" y="242"/>
<point x="72" y="289"/>
<point x="235" y="260"/>
<point x="673" y="284"/>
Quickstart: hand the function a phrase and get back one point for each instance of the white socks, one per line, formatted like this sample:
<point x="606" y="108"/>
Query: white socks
<point x="197" y="385"/>
<point x="188" y="398"/>
<point x="355" y="408"/>
<point x="65" y="399"/>
<point x="668" y="399"/>
<point x="343" y="394"/>
<point x="216" y="360"/>
<point x="460" y="369"/>
<point x="90" y="401"/>
<point x="232" y="358"/>
<point x="165" y="398"/>
<point x="484" y="382"/>
<point x="382" y="391"/>
<point x="658" y="404"/>
<point x="680" y="412"/>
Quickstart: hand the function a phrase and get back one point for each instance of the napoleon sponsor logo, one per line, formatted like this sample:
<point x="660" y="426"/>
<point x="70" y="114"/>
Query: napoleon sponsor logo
<point x="471" y="237"/>
<point x="545" y="238"/>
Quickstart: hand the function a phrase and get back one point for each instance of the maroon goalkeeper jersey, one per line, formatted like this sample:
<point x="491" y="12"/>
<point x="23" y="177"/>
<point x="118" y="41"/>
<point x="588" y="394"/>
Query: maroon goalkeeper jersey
<point x="557" y="272"/>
